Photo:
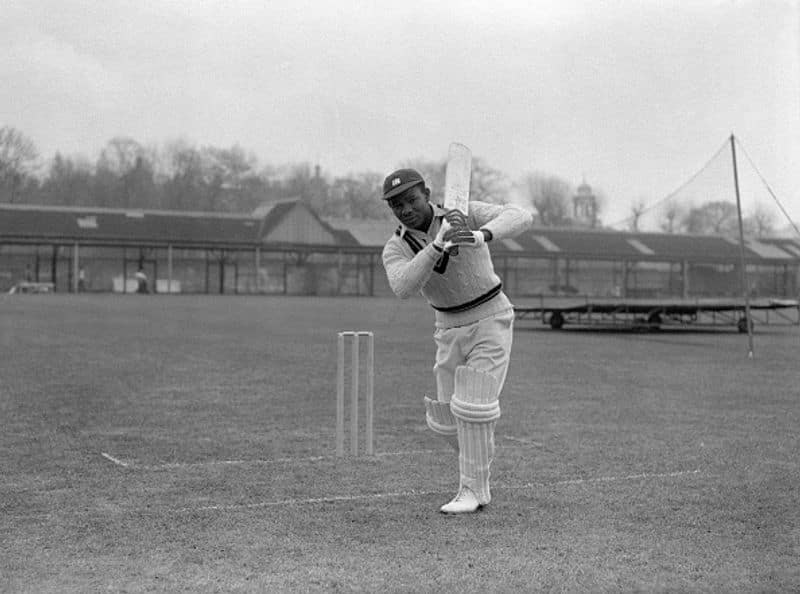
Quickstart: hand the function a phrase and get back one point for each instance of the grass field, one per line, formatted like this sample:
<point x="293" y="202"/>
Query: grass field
<point x="184" y="444"/>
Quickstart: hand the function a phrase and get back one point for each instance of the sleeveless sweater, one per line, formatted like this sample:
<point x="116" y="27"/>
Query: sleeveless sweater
<point x="409" y="259"/>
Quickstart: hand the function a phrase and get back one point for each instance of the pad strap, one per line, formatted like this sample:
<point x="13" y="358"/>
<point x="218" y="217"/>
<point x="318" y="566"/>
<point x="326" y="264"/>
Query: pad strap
<point x="475" y="399"/>
<point x="475" y="413"/>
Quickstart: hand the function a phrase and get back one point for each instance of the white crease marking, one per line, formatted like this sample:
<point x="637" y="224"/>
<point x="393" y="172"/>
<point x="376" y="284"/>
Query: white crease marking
<point x="116" y="461"/>
<point x="418" y="493"/>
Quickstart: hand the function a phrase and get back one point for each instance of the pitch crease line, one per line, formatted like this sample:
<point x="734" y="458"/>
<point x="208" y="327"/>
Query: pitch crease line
<point x="171" y="465"/>
<point x="418" y="493"/>
<point x="116" y="461"/>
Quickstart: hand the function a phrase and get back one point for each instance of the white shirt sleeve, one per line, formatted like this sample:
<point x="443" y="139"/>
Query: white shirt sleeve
<point x="408" y="275"/>
<point x="503" y="220"/>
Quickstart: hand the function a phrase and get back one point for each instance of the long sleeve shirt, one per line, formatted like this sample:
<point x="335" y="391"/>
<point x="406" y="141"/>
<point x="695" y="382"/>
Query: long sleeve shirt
<point x="469" y="276"/>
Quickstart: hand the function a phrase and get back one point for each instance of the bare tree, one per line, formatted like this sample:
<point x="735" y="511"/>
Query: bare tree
<point x="225" y="172"/>
<point x="184" y="172"/>
<point x="489" y="184"/>
<point x="761" y="221"/>
<point x="486" y="183"/>
<point x="671" y="217"/>
<point x="358" y="196"/>
<point x="120" y="154"/>
<point x="637" y="210"/>
<point x="549" y="195"/>
<point x="18" y="157"/>
<point x="125" y="174"/>
<point x="717" y="217"/>
<point x="68" y="182"/>
<point x="230" y="165"/>
<point x="433" y="173"/>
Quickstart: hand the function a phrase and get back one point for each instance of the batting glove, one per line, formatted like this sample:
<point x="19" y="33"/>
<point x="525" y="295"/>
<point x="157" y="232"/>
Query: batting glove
<point x="439" y="242"/>
<point x="467" y="238"/>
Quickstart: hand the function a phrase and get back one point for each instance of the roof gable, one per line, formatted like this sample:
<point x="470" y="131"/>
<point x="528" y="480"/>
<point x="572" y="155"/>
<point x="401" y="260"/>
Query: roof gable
<point x="294" y="222"/>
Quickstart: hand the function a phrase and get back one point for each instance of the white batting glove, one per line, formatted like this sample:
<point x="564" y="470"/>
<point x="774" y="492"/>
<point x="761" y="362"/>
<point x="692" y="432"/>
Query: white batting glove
<point x="439" y="242"/>
<point x="467" y="238"/>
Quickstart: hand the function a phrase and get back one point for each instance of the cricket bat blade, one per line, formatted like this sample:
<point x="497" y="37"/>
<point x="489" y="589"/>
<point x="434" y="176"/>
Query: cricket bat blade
<point x="456" y="191"/>
<point x="457" y="178"/>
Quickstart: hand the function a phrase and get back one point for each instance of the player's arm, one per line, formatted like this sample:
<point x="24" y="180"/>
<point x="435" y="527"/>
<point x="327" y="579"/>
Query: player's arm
<point x="407" y="275"/>
<point x="492" y="221"/>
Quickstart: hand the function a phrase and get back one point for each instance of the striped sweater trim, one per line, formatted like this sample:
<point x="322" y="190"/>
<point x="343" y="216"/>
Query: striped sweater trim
<point x="480" y="300"/>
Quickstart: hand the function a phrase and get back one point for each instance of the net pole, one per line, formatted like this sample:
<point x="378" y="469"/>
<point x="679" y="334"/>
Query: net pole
<point x="745" y="290"/>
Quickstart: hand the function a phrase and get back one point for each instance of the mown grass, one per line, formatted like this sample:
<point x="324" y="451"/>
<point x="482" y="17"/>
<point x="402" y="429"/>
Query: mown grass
<point x="662" y="461"/>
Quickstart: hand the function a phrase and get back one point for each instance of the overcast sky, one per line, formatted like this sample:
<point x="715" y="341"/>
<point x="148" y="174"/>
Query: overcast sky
<point x="635" y="96"/>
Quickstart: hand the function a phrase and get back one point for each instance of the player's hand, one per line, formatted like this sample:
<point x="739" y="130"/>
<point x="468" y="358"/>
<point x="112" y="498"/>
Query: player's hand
<point x="440" y="239"/>
<point x="451" y="232"/>
<point x="456" y="218"/>
<point x="465" y="237"/>
<point x="454" y="221"/>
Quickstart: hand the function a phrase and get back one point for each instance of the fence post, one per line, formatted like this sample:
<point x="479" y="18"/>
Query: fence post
<point x="75" y="265"/>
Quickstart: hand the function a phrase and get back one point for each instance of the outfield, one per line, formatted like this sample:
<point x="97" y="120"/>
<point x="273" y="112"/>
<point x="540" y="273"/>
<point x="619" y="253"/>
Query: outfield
<point x="157" y="443"/>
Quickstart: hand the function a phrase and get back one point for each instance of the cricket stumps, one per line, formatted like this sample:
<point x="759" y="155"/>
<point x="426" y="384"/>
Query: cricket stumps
<point x="355" y="376"/>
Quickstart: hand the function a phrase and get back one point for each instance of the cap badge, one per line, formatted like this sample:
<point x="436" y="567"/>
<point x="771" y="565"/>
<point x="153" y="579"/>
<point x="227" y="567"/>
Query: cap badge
<point x="396" y="182"/>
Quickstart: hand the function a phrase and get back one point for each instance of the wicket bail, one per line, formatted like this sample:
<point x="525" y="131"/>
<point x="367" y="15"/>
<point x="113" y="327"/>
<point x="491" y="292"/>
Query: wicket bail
<point x="354" y="391"/>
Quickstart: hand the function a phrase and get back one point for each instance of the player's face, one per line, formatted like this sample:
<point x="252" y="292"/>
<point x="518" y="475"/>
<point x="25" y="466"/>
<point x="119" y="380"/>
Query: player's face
<point x="412" y="209"/>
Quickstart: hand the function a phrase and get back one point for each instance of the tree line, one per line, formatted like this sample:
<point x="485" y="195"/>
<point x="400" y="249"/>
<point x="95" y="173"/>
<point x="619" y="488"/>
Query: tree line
<point x="182" y="176"/>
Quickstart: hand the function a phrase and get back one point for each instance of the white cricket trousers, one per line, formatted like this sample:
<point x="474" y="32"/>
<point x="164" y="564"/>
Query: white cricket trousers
<point x="484" y="345"/>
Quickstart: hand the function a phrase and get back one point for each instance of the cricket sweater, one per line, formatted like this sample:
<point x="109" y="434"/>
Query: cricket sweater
<point x="469" y="289"/>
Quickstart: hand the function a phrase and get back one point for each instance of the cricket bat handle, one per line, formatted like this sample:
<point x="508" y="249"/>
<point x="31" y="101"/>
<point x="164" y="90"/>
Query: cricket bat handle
<point x="450" y="248"/>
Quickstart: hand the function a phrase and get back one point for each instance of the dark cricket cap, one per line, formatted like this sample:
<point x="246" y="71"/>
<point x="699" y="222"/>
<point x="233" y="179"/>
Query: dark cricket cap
<point x="398" y="182"/>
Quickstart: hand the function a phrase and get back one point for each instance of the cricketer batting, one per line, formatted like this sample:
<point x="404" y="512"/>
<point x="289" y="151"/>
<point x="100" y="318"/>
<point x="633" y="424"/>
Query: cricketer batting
<point x="473" y="317"/>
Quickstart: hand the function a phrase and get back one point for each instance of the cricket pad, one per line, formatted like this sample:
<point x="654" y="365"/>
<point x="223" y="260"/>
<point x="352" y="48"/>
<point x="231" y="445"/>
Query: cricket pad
<point x="441" y="420"/>
<point x="476" y="408"/>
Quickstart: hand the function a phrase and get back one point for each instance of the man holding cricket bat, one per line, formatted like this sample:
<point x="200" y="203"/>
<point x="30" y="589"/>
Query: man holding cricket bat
<point x="442" y="252"/>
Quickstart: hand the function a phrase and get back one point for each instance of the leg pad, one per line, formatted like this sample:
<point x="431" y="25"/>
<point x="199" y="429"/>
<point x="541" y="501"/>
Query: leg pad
<point x="439" y="417"/>
<point x="475" y="399"/>
<point x="441" y="421"/>
<point x="476" y="409"/>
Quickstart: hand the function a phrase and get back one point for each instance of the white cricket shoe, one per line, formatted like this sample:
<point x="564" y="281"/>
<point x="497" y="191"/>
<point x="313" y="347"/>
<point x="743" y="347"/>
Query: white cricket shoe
<point x="465" y="502"/>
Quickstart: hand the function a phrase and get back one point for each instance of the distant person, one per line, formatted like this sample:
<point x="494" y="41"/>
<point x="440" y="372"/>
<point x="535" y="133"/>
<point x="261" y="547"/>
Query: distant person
<point x="141" y="281"/>
<point x="473" y="318"/>
<point x="28" y="274"/>
<point x="82" y="280"/>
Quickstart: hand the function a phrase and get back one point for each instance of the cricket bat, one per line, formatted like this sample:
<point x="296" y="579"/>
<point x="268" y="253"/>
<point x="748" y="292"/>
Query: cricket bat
<point x="456" y="191"/>
<point x="456" y="178"/>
